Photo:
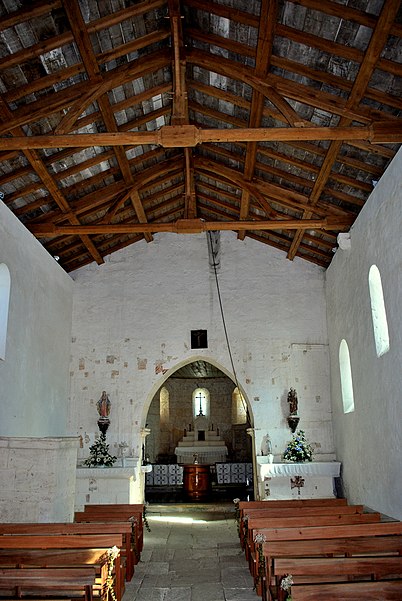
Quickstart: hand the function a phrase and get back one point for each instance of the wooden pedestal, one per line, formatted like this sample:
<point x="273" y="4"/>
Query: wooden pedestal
<point x="196" y="481"/>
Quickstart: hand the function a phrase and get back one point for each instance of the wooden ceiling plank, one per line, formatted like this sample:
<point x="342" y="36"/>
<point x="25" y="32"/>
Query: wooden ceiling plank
<point x="84" y="45"/>
<point x="180" y="115"/>
<point x="125" y="14"/>
<point x="378" y="39"/>
<point x="56" y="194"/>
<point x="59" y="101"/>
<point x="35" y="10"/>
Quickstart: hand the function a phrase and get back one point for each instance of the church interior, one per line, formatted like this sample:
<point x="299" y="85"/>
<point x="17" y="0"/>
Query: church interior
<point x="200" y="254"/>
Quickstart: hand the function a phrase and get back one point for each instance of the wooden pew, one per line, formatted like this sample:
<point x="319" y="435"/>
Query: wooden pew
<point x="63" y="582"/>
<point x="387" y="590"/>
<point x="244" y="507"/>
<point x="312" y="570"/>
<point x="259" y="528"/>
<point x="261" y="525"/>
<point x="276" y="512"/>
<point x="123" y="528"/>
<point x="117" y="512"/>
<point x="22" y="543"/>
<point x="383" y="538"/>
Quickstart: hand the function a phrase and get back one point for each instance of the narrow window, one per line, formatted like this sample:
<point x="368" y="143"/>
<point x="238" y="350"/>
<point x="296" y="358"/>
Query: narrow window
<point x="5" y="282"/>
<point x="378" y="314"/>
<point x="346" y="378"/>
<point x="201" y="402"/>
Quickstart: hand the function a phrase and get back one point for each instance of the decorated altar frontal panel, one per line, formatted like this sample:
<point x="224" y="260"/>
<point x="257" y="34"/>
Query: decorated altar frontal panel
<point x="298" y="480"/>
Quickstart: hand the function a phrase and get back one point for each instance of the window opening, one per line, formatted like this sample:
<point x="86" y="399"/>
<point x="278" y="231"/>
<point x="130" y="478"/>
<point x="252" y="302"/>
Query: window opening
<point x="346" y="378"/>
<point x="5" y="282"/>
<point x="200" y="402"/>
<point x="378" y="314"/>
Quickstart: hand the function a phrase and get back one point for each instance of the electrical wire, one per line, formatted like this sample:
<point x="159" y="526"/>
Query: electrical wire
<point x="209" y="237"/>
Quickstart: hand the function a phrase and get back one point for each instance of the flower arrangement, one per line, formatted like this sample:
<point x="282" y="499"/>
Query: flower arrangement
<point x="286" y="585"/>
<point x="99" y="454"/>
<point x="298" y="449"/>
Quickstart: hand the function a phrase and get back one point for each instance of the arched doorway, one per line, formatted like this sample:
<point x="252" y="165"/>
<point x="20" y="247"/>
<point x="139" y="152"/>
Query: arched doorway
<point x="198" y="415"/>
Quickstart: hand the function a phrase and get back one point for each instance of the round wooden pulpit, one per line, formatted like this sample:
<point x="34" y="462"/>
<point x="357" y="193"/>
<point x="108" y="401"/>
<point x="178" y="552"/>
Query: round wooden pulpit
<point x="196" y="481"/>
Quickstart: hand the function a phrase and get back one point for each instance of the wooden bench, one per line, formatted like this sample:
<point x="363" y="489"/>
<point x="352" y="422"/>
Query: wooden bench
<point x="382" y="538"/>
<point x="63" y="582"/>
<point x="22" y="544"/>
<point x="350" y="591"/>
<point x="117" y="512"/>
<point x="261" y="526"/>
<point x="123" y="528"/>
<point x="330" y="570"/>
<point x="244" y="507"/>
<point x="276" y="512"/>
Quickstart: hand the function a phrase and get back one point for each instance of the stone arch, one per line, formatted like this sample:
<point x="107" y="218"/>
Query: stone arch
<point x="165" y="376"/>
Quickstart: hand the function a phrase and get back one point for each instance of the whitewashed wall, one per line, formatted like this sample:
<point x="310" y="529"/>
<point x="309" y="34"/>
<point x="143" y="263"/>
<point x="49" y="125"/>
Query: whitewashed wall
<point x="369" y="440"/>
<point x="34" y="381"/>
<point x="132" y="319"/>
<point x="34" y="376"/>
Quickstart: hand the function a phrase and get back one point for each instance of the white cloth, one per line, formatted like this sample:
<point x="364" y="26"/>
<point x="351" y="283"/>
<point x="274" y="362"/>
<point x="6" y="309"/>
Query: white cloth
<point x="287" y="470"/>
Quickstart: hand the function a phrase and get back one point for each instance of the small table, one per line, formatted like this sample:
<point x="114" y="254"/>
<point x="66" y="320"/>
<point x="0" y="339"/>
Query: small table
<point x="196" y="481"/>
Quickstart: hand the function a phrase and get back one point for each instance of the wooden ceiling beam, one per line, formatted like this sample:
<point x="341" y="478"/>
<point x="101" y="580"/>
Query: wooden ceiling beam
<point x="172" y="136"/>
<point x="188" y="226"/>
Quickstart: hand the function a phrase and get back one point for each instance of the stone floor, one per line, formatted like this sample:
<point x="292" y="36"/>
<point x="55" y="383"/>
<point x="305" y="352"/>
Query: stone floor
<point x="191" y="554"/>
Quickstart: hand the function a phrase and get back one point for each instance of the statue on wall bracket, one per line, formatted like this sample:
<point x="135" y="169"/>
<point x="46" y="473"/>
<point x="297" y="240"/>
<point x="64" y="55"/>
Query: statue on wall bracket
<point x="293" y="418"/>
<point x="103" y="407"/>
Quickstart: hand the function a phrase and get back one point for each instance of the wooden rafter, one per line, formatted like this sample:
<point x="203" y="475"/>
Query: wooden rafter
<point x="180" y="102"/>
<point x="263" y="58"/>
<point x="48" y="181"/>
<point x="83" y="42"/>
<point x="377" y="41"/>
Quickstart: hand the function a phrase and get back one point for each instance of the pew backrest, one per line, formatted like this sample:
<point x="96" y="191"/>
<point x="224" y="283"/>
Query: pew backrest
<point x="335" y="531"/>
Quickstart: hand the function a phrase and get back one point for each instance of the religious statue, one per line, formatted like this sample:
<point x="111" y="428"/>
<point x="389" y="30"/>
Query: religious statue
<point x="103" y="405"/>
<point x="292" y="400"/>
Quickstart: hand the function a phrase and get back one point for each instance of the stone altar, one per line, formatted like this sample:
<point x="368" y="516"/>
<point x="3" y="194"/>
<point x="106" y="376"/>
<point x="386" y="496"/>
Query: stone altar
<point x="296" y="480"/>
<point x="201" y="443"/>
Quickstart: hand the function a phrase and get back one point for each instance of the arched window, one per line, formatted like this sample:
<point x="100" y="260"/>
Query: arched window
<point x="201" y="402"/>
<point x="5" y="282"/>
<point x="346" y="378"/>
<point x="239" y="412"/>
<point x="378" y="314"/>
<point x="164" y="409"/>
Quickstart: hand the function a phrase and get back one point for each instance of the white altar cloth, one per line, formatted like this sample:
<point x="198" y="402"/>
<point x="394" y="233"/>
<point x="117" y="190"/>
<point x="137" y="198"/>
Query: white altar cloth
<point x="287" y="470"/>
<point x="279" y="480"/>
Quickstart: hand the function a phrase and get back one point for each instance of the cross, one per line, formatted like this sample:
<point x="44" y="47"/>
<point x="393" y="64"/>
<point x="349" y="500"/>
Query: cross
<point x="297" y="482"/>
<point x="200" y="397"/>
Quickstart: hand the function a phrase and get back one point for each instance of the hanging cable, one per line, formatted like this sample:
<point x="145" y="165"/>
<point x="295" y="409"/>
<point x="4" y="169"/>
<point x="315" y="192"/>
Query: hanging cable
<point x="213" y="255"/>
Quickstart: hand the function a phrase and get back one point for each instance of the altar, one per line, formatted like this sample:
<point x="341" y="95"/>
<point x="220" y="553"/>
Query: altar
<point x="308" y="480"/>
<point x="201" y="445"/>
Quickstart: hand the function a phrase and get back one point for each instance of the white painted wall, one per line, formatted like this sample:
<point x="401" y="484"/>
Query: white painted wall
<point x="369" y="440"/>
<point x="37" y="459"/>
<point x="34" y="378"/>
<point x="132" y="318"/>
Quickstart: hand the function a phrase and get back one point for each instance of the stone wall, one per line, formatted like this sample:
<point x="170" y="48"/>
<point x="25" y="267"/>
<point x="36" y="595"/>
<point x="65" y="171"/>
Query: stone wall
<point x="133" y="316"/>
<point x="369" y="440"/>
<point x="38" y="479"/>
